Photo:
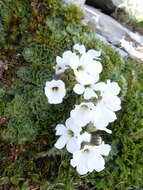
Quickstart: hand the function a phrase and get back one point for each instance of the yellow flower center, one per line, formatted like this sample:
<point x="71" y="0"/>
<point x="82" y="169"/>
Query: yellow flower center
<point x="86" y="150"/>
<point x="80" y="68"/>
<point x="70" y="133"/>
<point x="87" y="86"/>
<point x="84" y="106"/>
<point x="55" y="89"/>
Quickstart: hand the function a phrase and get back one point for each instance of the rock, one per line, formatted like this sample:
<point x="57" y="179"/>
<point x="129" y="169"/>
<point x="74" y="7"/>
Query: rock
<point x="79" y="3"/>
<point x="133" y="7"/>
<point x="114" y="32"/>
<point x="106" y="6"/>
<point x="120" y="51"/>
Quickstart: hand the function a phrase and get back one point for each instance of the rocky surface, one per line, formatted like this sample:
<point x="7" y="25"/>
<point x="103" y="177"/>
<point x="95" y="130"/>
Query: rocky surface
<point x="111" y="31"/>
<point x="114" y="32"/>
<point x="133" y="7"/>
<point x="105" y="5"/>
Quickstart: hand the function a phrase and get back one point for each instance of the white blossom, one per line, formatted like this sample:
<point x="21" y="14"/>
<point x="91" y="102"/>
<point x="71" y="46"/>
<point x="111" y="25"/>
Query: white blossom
<point x="70" y="136"/>
<point x="93" y="67"/>
<point x="82" y="114"/>
<point x="55" y="91"/>
<point x="85" y="65"/>
<point x="109" y="94"/>
<point x="102" y="116"/>
<point x="60" y="68"/>
<point x="90" y="158"/>
<point x="109" y="87"/>
<point x="65" y="58"/>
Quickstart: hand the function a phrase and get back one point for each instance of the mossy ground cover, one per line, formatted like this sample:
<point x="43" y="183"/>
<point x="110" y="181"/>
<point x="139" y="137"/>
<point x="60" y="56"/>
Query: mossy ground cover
<point x="31" y="36"/>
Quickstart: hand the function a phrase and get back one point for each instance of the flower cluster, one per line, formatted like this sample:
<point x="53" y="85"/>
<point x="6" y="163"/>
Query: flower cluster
<point x="74" y="135"/>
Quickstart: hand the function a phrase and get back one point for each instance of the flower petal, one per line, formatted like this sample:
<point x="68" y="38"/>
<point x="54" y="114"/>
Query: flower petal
<point x="60" y="129"/>
<point x="80" y="48"/>
<point x="96" y="162"/>
<point x="72" y="125"/>
<point x="89" y="93"/>
<point x="78" y="89"/>
<point x="112" y="102"/>
<point x="59" y="60"/>
<point x="61" y="142"/>
<point x="104" y="149"/>
<point x="76" y="159"/>
<point x="82" y="165"/>
<point x="94" y="53"/>
<point x="72" y="145"/>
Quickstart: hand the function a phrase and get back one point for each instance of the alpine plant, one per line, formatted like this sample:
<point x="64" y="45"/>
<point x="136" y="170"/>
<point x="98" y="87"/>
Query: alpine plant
<point x="75" y="134"/>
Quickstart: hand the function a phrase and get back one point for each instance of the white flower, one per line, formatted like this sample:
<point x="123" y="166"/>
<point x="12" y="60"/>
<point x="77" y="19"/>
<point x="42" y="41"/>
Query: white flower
<point x="109" y="94"/>
<point x="112" y="102"/>
<point x="60" y="68"/>
<point x="87" y="89"/>
<point x="65" y="59"/>
<point x="85" y="65"/>
<point x="55" y="91"/>
<point x="84" y="70"/>
<point x="89" y="158"/>
<point x="69" y="136"/>
<point x="102" y="116"/>
<point x="111" y="87"/>
<point x="93" y="67"/>
<point x="82" y="114"/>
<point x="63" y="62"/>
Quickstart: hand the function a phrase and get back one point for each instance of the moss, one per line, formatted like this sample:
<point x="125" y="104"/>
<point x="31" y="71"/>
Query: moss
<point x="31" y="37"/>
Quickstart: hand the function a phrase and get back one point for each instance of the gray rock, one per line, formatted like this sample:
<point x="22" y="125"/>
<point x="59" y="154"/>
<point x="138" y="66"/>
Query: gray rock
<point x="106" y="6"/>
<point x="114" y="32"/>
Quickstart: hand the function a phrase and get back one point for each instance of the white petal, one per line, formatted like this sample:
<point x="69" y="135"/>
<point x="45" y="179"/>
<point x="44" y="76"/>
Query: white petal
<point x="112" y="102"/>
<point x="85" y="78"/>
<point x="60" y="68"/>
<point x="74" y="61"/>
<point x="55" y="99"/>
<point x="76" y="158"/>
<point x="61" y="142"/>
<point x="96" y="162"/>
<point x="113" y="87"/>
<point x="102" y="116"/>
<point x="67" y="54"/>
<point x="94" y="53"/>
<point x="105" y="129"/>
<point x="72" y="125"/>
<point x="104" y="149"/>
<point x="89" y="93"/>
<point x="80" y="48"/>
<point x="60" y="129"/>
<point x="72" y="145"/>
<point x="78" y="89"/>
<point x="85" y="137"/>
<point x="82" y="165"/>
<point x="59" y="60"/>
<point x="82" y="114"/>
<point x="100" y="86"/>
<point x="94" y="67"/>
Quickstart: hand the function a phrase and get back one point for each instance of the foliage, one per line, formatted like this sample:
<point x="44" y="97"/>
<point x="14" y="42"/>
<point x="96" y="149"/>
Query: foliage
<point x="31" y="37"/>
